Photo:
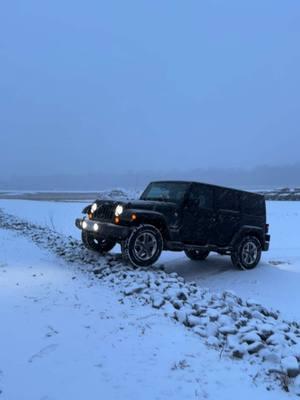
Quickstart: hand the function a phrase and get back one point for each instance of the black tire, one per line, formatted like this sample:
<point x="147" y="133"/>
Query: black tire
<point x="197" y="255"/>
<point x="144" y="246"/>
<point x="247" y="253"/>
<point x="94" y="243"/>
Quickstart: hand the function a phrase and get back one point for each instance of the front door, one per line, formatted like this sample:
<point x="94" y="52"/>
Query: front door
<point x="198" y="215"/>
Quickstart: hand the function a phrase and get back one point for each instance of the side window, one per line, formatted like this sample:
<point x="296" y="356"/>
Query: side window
<point x="227" y="200"/>
<point x="201" y="196"/>
<point x="253" y="204"/>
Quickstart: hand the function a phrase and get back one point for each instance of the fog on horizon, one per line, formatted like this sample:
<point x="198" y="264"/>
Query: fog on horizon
<point x="111" y="87"/>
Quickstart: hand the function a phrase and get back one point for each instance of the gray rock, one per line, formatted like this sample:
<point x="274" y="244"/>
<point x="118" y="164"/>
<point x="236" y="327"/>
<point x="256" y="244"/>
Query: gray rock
<point x="213" y="314"/>
<point x="157" y="301"/>
<point x="255" y="347"/>
<point x="265" y="331"/>
<point x="199" y="310"/>
<point x="283" y="327"/>
<point x="228" y="330"/>
<point x="256" y="314"/>
<point x="212" y="329"/>
<point x="245" y="329"/>
<point x="270" y="356"/>
<point x="295" y="349"/>
<point x="276" y="339"/>
<point x="296" y="386"/>
<point x="134" y="289"/>
<point x="192" y="320"/>
<point x="212" y="341"/>
<point x="238" y="353"/>
<point x="232" y="341"/>
<point x="177" y="304"/>
<point x="251" y="303"/>
<point x="168" y="309"/>
<point x="181" y="316"/>
<point x="182" y="295"/>
<point x="225" y="320"/>
<point x="290" y="366"/>
<point x="200" y="330"/>
<point x="251" y="337"/>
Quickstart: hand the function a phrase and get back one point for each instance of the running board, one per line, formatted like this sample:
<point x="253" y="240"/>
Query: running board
<point x="179" y="246"/>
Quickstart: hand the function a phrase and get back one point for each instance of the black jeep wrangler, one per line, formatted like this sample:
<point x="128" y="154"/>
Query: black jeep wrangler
<point x="173" y="215"/>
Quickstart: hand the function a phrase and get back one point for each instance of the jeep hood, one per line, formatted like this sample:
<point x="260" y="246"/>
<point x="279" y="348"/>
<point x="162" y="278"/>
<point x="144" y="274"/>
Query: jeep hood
<point x="158" y="206"/>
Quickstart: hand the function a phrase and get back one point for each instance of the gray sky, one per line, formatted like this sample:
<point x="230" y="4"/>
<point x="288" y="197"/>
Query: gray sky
<point x="141" y="85"/>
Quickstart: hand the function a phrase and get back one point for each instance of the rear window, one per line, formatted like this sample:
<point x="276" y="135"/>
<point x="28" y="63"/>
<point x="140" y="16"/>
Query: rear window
<point x="253" y="204"/>
<point x="227" y="200"/>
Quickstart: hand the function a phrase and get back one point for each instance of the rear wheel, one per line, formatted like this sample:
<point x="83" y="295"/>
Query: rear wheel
<point x="144" y="246"/>
<point x="197" y="255"/>
<point x="247" y="253"/>
<point x="98" y="244"/>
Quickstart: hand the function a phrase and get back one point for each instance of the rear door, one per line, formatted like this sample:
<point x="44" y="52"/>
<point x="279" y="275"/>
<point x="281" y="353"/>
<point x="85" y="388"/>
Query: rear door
<point x="253" y="210"/>
<point x="228" y="216"/>
<point x="198" y="215"/>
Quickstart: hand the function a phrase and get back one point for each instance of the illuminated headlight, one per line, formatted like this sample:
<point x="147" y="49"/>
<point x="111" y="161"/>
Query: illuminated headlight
<point x="94" y="207"/>
<point x="84" y="225"/>
<point x="118" y="211"/>
<point x="96" y="227"/>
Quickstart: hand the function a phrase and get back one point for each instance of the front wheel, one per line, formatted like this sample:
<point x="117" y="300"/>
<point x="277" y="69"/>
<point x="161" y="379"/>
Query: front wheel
<point x="94" y="243"/>
<point x="197" y="255"/>
<point x="247" y="253"/>
<point x="144" y="246"/>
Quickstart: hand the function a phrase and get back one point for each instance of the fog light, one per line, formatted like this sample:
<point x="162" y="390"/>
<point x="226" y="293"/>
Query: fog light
<point x="96" y="227"/>
<point x="84" y="224"/>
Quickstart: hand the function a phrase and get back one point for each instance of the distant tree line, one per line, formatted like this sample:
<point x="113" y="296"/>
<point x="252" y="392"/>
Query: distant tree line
<point x="261" y="177"/>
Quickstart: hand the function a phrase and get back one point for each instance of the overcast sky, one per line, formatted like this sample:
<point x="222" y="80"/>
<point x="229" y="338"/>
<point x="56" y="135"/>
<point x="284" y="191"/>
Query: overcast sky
<point x="140" y="85"/>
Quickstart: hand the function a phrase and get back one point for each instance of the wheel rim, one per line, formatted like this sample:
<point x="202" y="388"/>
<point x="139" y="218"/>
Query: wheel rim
<point x="249" y="253"/>
<point x="145" y="246"/>
<point x="197" y="252"/>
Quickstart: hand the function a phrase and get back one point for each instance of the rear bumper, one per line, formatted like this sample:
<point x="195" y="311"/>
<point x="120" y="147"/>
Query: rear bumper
<point x="266" y="245"/>
<point x="105" y="229"/>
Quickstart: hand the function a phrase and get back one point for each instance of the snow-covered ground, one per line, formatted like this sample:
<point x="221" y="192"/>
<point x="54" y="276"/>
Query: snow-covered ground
<point x="275" y="282"/>
<point x="66" y="334"/>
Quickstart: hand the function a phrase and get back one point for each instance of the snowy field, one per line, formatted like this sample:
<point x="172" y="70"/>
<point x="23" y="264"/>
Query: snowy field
<point x="64" y="334"/>
<point x="275" y="282"/>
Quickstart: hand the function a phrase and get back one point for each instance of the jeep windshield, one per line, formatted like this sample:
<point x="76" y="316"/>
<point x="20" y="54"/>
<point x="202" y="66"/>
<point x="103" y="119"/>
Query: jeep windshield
<point x="166" y="191"/>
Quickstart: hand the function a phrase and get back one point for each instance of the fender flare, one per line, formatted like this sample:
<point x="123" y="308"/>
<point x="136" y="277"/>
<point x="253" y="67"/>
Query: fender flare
<point x="150" y="217"/>
<point x="245" y="231"/>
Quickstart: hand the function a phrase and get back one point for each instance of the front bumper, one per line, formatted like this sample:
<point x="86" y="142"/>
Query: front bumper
<point x="105" y="229"/>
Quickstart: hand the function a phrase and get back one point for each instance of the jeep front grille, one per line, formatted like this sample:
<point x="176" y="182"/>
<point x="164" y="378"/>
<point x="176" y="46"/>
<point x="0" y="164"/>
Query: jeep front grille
<point x="105" y="212"/>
